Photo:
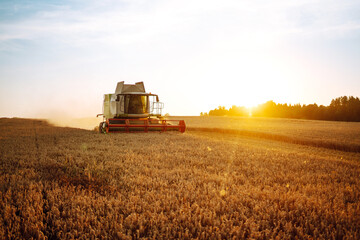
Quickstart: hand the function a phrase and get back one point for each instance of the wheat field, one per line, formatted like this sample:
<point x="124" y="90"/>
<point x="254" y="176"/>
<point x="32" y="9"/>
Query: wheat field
<point x="265" y="179"/>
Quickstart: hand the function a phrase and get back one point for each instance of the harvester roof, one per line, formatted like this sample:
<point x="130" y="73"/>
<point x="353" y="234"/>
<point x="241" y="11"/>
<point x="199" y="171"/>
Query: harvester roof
<point x="122" y="88"/>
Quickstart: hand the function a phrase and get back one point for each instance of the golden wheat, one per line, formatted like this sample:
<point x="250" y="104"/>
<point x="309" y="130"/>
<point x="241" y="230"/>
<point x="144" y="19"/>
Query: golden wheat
<point x="64" y="183"/>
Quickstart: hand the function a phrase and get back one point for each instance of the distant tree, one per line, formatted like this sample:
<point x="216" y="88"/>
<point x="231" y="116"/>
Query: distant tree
<point x="238" y="111"/>
<point x="220" y="111"/>
<point x="267" y="109"/>
<point x="345" y="109"/>
<point x="340" y="109"/>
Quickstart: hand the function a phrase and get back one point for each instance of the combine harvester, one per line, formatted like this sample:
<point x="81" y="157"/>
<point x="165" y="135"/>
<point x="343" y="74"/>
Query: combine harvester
<point x="131" y="109"/>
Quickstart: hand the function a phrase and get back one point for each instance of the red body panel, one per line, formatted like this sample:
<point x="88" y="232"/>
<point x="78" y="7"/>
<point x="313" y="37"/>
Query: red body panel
<point x="114" y="125"/>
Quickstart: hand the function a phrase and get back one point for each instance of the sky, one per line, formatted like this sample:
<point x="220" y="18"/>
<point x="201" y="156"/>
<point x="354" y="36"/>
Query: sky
<point x="58" y="58"/>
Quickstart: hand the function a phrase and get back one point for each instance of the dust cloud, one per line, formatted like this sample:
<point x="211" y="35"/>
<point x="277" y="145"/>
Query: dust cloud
<point x="84" y="123"/>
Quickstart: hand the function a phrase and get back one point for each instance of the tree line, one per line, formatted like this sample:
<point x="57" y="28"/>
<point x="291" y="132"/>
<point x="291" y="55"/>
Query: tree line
<point x="340" y="109"/>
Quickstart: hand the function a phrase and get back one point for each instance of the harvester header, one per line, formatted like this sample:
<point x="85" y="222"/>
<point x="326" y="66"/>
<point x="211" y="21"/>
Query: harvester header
<point x="130" y="109"/>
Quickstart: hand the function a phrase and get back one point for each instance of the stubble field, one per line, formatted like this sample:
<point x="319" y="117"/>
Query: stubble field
<point x="224" y="178"/>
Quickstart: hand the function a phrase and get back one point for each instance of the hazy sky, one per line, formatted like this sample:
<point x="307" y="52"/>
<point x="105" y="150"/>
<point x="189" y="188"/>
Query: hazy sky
<point x="58" y="58"/>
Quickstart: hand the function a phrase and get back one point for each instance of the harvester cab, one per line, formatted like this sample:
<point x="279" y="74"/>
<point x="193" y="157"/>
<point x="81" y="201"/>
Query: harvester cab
<point x="131" y="109"/>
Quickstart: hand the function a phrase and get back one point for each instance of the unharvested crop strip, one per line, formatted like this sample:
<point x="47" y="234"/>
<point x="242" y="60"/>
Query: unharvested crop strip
<point x="282" y="138"/>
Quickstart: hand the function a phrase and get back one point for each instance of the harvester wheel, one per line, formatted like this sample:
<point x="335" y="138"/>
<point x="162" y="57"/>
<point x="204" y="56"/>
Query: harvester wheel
<point x="102" y="127"/>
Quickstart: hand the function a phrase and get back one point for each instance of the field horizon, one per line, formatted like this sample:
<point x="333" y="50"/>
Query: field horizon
<point x="339" y="135"/>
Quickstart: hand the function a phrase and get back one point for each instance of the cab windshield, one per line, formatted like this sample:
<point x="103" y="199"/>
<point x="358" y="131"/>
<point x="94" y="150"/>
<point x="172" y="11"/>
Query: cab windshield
<point x="136" y="104"/>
